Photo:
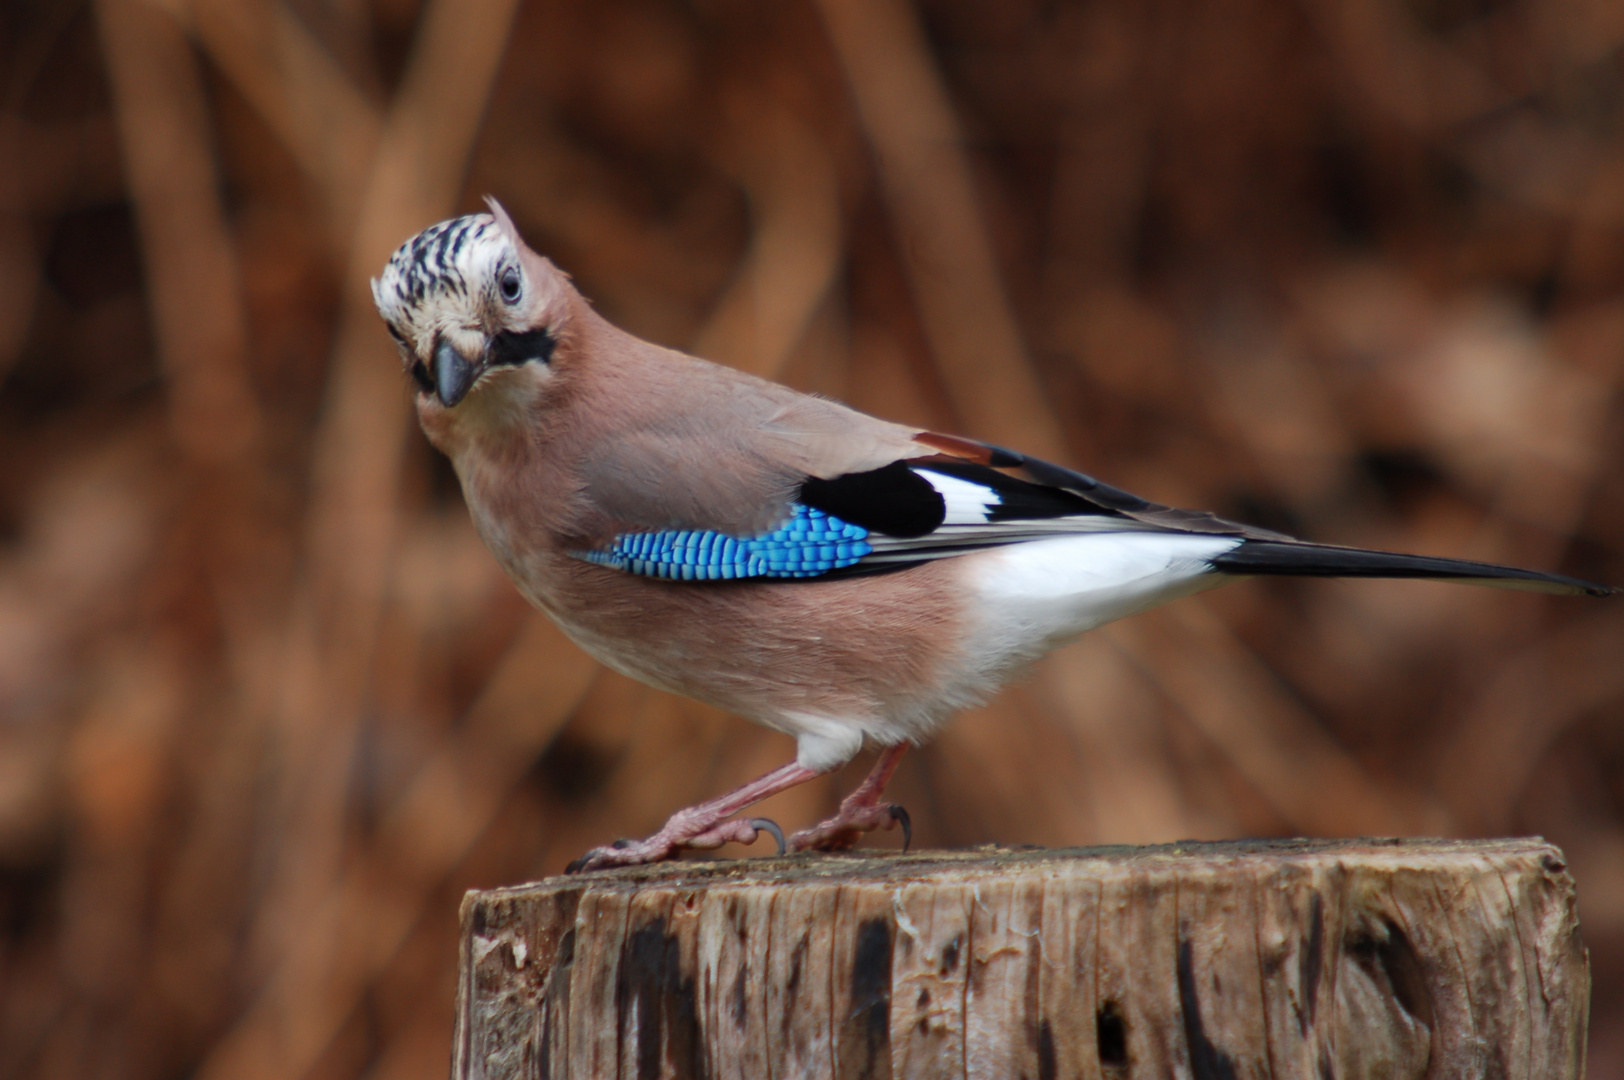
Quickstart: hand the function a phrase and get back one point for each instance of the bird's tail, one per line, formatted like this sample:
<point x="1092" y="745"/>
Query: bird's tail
<point x="1325" y="560"/>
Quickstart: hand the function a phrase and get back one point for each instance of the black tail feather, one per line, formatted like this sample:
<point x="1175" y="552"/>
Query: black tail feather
<point x="1325" y="560"/>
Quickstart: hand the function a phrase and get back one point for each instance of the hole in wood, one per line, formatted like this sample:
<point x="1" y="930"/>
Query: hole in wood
<point x="1111" y="1036"/>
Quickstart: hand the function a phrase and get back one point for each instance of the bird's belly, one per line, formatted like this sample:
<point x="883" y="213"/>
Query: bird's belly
<point x="880" y="653"/>
<point x="892" y="655"/>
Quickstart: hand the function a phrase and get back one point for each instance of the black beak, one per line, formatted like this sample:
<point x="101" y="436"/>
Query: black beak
<point x="453" y="374"/>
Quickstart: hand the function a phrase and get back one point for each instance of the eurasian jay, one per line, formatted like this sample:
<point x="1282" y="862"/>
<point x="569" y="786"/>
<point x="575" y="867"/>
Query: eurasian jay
<point x="781" y="556"/>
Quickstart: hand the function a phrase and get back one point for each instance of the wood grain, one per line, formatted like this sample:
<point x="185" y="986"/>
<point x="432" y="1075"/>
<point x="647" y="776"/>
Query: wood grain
<point x="1211" y="961"/>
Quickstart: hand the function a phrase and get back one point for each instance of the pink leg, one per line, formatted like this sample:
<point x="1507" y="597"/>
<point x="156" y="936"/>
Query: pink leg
<point x="860" y="812"/>
<point x="703" y="826"/>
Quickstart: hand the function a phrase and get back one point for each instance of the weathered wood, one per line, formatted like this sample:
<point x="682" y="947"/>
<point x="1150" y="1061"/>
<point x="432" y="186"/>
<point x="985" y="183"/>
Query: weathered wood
<point x="1258" y="959"/>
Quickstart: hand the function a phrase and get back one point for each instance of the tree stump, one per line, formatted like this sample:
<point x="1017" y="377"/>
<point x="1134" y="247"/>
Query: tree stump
<point x="1255" y="959"/>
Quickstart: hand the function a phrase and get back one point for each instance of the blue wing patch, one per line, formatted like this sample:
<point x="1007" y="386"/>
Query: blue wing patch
<point x="811" y="543"/>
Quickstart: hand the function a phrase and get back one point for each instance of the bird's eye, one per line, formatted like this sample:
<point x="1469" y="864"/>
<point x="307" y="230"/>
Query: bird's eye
<point x="511" y="283"/>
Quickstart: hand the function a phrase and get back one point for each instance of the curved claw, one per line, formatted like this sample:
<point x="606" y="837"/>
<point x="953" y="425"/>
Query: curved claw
<point x="899" y="814"/>
<point x="770" y="826"/>
<point x="600" y="857"/>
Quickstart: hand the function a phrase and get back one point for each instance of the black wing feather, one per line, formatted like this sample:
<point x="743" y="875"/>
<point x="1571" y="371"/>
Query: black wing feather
<point x="1263" y="551"/>
<point x="1125" y="502"/>
<point x="897" y="501"/>
<point x="1301" y="559"/>
<point x="1019" y="500"/>
<point x="892" y="499"/>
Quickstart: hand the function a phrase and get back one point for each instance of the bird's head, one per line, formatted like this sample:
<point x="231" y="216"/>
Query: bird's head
<point x="476" y="314"/>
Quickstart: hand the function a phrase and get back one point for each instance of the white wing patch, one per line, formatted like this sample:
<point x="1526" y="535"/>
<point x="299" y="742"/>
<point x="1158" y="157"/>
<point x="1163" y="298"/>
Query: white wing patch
<point x="968" y="503"/>
<point x="968" y="525"/>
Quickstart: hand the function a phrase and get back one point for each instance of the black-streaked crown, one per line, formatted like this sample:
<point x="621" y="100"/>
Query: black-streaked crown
<point x="445" y="275"/>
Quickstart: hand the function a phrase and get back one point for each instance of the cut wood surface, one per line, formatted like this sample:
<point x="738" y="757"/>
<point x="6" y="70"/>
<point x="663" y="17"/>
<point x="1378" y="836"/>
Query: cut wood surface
<point x="1342" y="959"/>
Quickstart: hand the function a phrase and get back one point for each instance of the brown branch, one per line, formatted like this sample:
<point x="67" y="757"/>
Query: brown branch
<point x="191" y="262"/>
<point x="943" y="240"/>
<point x="415" y="177"/>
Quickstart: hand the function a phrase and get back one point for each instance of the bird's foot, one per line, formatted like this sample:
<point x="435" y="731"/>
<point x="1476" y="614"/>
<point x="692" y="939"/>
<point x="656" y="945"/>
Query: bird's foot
<point x="848" y="826"/>
<point x="708" y="825"/>
<point x="685" y="831"/>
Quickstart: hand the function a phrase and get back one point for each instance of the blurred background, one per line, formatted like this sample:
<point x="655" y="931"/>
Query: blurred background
<point x="1352" y="269"/>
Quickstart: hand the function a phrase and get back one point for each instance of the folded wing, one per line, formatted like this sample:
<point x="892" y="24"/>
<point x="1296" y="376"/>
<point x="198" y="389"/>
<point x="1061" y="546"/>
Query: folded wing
<point x="970" y="496"/>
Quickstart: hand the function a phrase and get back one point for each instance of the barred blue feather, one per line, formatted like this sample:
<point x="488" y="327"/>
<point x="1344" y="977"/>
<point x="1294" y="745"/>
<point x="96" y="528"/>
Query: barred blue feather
<point x="809" y="544"/>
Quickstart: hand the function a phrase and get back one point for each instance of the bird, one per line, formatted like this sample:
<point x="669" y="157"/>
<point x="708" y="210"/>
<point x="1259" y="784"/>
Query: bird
<point x="837" y="577"/>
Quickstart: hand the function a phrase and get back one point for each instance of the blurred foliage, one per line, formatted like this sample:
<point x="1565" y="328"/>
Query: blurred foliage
<point x="1349" y="268"/>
